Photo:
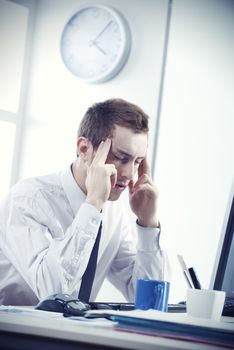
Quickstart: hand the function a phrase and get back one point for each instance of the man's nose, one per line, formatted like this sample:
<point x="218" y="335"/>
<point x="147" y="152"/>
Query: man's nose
<point x="127" y="171"/>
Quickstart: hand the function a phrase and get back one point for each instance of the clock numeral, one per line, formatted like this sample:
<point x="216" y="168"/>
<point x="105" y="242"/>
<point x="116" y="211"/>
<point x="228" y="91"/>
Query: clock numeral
<point x="71" y="58"/>
<point x="90" y="73"/>
<point x="113" y="58"/>
<point x="96" y="12"/>
<point x="67" y="42"/>
<point x="103" y="68"/>
<point x="115" y="27"/>
<point x="74" y="27"/>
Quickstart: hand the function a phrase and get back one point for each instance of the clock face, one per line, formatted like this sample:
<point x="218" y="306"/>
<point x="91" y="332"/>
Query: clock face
<point x="95" y="43"/>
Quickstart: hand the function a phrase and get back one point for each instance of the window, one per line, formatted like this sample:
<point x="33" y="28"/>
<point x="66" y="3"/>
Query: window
<point x="13" y="37"/>
<point x="7" y="137"/>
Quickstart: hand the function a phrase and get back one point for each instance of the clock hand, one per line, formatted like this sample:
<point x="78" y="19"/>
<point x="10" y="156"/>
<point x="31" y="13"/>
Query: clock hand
<point x="99" y="48"/>
<point x="103" y="30"/>
<point x="94" y="43"/>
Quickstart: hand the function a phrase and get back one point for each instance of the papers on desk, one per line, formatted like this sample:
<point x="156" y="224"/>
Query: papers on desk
<point x="94" y="322"/>
<point x="176" y="326"/>
<point x="28" y="310"/>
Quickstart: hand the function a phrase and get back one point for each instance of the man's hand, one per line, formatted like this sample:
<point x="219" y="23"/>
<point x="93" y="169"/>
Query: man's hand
<point x="101" y="177"/>
<point x="143" y="197"/>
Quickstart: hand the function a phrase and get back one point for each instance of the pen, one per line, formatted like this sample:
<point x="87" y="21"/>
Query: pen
<point x="196" y="283"/>
<point x="185" y="271"/>
<point x="188" y="279"/>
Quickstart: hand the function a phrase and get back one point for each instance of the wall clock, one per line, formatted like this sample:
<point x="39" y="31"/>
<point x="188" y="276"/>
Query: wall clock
<point x="95" y="43"/>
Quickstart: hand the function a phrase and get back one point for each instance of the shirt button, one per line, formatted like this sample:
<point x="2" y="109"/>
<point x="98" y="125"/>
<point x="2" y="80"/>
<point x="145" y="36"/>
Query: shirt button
<point x="94" y="221"/>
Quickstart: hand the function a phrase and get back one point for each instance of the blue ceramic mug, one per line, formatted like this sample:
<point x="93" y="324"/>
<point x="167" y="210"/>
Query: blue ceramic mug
<point x="152" y="294"/>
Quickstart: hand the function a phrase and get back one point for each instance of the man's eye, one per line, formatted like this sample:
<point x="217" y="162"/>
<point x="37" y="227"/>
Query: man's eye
<point x="118" y="158"/>
<point x="122" y="160"/>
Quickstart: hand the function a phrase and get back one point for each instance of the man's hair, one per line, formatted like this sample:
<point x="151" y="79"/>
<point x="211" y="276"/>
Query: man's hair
<point x="100" y="119"/>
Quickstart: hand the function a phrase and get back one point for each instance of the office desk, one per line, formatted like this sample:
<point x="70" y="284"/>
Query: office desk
<point x="30" y="331"/>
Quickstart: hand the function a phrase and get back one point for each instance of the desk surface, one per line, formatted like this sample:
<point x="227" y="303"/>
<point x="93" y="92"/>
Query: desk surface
<point x="34" y="330"/>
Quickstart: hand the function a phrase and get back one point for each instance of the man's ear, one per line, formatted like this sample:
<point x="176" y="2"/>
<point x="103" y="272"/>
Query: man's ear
<point x="84" y="149"/>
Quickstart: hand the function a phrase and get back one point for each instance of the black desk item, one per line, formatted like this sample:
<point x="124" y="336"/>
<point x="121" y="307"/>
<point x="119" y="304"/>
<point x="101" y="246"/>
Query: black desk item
<point x="88" y="276"/>
<point x="228" y="309"/>
<point x="63" y="303"/>
<point x="172" y="308"/>
<point x="223" y="272"/>
<point x="194" y="278"/>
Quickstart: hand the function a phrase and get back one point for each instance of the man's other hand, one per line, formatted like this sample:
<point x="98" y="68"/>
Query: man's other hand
<point x="143" y="197"/>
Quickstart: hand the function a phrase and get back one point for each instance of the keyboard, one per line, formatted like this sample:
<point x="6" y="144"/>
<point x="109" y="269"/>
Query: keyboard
<point x="111" y="306"/>
<point x="181" y="307"/>
<point x="228" y="309"/>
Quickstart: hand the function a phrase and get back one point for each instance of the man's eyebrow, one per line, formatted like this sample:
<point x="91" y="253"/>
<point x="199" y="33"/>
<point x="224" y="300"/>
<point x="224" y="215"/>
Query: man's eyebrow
<point x="126" y="154"/>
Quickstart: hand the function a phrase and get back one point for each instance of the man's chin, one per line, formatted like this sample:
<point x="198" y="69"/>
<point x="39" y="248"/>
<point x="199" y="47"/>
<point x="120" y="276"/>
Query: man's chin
<point x="114" y="194"/>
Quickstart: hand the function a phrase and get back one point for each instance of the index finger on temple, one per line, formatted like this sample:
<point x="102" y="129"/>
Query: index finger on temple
<point x="144" y="167"/>
<point x="102" y="151"/>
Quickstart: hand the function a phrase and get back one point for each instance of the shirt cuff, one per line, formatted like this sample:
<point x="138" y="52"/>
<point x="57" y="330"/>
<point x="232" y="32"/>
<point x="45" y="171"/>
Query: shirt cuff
<point x="88" y="219"/>
<point x="148" y="238"/>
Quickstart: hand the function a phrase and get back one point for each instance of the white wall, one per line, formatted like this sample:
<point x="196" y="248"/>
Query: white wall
<point x="195" y="157"/>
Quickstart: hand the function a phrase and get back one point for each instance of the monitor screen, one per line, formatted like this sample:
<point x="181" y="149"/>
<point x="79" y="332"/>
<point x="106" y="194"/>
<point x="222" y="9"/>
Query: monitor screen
<point x="223" y="272"/>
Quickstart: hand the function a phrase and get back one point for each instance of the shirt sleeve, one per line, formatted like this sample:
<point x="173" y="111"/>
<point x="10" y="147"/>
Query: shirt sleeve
<point x="53" y="259"/>
<point x="145" y="260"/>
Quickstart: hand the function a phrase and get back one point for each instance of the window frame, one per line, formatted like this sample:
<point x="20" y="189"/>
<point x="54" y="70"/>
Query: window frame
<point x="17" y="118"/>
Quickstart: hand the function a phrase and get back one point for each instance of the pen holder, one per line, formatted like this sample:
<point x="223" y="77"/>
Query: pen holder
<point x="205" y="303"/>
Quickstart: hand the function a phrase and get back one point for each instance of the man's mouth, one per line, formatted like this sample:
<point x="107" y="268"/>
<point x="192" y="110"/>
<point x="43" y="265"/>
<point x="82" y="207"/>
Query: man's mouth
<point x="120" y="186"/>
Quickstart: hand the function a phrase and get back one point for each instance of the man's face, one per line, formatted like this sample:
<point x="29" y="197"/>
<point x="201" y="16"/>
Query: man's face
<point x="128" y="149"/>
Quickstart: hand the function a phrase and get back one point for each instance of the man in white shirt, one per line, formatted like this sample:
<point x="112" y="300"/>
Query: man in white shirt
<point x="49" y="224"/>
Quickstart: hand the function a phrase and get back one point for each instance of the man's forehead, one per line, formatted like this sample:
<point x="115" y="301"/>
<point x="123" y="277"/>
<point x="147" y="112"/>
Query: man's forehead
<point x="132" y="145"/>
<point x="127" y="153"/>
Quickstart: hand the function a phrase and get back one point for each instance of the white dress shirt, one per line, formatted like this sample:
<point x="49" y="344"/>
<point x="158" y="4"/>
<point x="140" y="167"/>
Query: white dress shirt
<point x="47" y="232"/>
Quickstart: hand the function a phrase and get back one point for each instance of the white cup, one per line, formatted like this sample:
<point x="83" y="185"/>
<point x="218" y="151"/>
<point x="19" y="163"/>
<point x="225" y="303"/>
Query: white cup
<point x="205" y="303"/>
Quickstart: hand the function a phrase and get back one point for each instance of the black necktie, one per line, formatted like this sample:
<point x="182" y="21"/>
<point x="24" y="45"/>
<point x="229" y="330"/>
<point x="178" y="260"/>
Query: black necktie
<point x="88" y="276"/>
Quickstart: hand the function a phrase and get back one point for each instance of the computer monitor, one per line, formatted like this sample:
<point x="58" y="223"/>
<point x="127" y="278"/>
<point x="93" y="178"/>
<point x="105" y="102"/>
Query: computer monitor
<point x="223" y="272"/>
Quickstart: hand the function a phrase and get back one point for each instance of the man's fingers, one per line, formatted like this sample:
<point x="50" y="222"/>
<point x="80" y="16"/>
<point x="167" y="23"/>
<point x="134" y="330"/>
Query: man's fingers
<point x="102" y="152"/>
<point x="131" y="185"/>
<point x="144" y="168"/>
<point x="144" y="179"/>
<point x="113" y="179"/>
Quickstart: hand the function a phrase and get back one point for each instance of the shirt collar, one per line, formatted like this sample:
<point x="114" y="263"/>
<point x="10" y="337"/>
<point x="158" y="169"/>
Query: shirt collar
<point x="72" y="190"/>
